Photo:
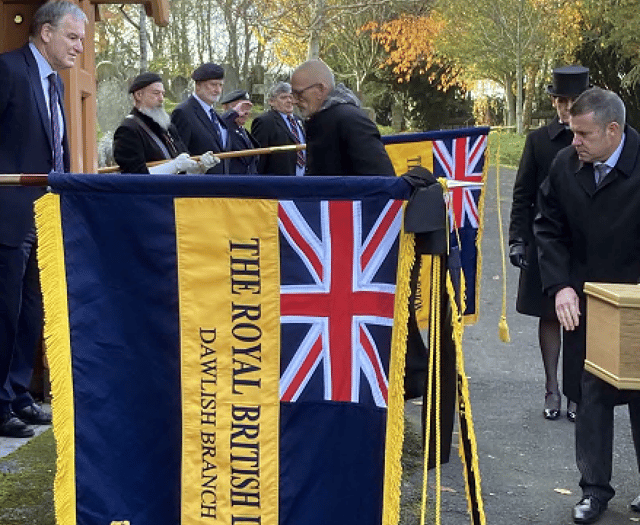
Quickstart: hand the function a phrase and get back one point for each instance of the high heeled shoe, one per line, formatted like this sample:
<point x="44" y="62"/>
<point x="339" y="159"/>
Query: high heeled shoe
<point x="572" y="409"/>
<point x="551" y="405"/>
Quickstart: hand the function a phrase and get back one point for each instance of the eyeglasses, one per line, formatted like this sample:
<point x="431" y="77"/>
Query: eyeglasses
<point x="297" y="93"/>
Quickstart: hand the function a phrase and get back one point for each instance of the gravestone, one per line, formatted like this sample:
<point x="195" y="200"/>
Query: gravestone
<point x="180" y="88"/>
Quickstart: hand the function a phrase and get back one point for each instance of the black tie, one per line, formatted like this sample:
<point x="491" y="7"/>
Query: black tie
<point x="58" y="164"/>
<point x="294" y="130"/>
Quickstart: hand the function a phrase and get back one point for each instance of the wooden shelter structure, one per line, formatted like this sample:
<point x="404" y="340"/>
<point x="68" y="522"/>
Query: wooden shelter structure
<point x="80" y="81"/>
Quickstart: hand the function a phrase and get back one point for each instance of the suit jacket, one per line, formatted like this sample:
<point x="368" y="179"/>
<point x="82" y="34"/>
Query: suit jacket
<point x="133" y="147"/>
<point x="270" y="129"/>
<point x="540" y="149"/>
<point x="198" y="132"/>
<point x="240" y="139"/>
<point x="25" y="140"/>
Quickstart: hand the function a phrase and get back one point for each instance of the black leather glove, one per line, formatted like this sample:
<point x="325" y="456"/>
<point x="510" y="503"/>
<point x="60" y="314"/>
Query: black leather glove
<point x="518" y="254"/>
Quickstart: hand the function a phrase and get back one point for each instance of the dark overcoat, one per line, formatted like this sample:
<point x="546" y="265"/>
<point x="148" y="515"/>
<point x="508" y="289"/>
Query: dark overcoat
<point x="198" y="132"/>
<point x="133" y="147"/>
<point x="586" y="233"/>
<point x="342" y="140"/>
<point x="270" y="130"/>
<point x="540" y="148"/>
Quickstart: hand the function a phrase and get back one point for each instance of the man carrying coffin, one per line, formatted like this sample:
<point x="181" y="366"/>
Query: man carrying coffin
<point x="588" y="229"/>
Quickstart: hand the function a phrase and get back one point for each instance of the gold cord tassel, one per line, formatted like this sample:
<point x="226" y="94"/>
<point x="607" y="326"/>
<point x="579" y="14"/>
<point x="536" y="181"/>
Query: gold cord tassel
<point x="503" y="327"/>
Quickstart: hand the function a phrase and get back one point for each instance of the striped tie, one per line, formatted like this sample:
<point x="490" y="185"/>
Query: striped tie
<point x="600" y="170"/>
<point x="296" y="134"/>
<point x="216" y="125"/>
<point x="58" y="165"/>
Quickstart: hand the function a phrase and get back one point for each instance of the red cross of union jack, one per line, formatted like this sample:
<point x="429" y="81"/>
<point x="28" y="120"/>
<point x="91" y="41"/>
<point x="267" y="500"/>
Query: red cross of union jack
<point x="461" y="159"/>
<point x="343" y="301"/>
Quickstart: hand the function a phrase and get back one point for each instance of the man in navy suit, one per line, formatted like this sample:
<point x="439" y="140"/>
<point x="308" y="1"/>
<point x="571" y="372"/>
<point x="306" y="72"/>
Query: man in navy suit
<point x="276" y="127"/>
<point x="200" y="127"/>
<point x="33" y="139"/>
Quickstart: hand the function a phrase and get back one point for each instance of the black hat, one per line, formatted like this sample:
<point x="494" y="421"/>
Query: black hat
<point x="238" y="94"/>
<point x="569" y="81"/>
<point x="143" y="80"/>
<point x="208" y="71"/>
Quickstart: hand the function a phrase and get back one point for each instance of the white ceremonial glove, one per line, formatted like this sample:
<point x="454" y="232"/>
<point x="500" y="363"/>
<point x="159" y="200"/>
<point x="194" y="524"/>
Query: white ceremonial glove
<point x="186" y="163"/>
<point x="181" y="163"/>
<point x="208" y="160"/>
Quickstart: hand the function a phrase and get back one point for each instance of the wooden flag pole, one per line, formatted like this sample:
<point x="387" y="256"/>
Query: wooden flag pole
<point x="223" y="155"/>
<point x="23" y="179"/>
<point x="35" y="179"/>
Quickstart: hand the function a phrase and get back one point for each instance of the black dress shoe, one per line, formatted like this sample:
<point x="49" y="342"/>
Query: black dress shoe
<point x="33" y="415"/>
<point x="551" y="405"/>
<point x="635" y="504"/>
<point x="588" y="510"/>
<point x="11" y="426"/>
<point x="572" y="409"/>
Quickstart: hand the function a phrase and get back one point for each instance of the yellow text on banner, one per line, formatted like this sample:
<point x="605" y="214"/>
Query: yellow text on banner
<point x="407" y="155"/>
<point x="229" y="293"/>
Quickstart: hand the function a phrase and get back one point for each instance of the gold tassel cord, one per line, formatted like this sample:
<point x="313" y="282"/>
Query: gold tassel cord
<point x="433" y="394"/>
<point x="463" y="293"/>
<point x="466" y="432"/>
<point x="503" y="327"/>
<point x="427" y="411"/>
<point x="437" y="293"/>
<point x="58" y="350"/>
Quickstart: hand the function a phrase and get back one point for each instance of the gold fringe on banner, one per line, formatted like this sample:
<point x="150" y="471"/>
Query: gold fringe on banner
<point x="466" y="432"/>
<point x="395" y="405"/>
<point x="58" y="349"/>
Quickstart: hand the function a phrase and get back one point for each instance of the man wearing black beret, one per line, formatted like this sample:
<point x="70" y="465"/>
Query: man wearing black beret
<point x="196" y="120"/>
<point x="237" y="107"/>
<point x="147" y="135"/>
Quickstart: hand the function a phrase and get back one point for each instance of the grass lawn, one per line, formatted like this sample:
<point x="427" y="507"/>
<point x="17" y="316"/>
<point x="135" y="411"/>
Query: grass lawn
<point x="511" y="145"/>
<point x="26" y="483"/>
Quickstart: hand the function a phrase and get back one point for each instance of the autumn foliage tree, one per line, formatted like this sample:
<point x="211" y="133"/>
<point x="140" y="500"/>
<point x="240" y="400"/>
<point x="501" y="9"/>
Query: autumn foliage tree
<point x="429" y="89"/>
<point x="409" y="42"/>
<point x="610" y="47"/>
<point x="507" y="41"/>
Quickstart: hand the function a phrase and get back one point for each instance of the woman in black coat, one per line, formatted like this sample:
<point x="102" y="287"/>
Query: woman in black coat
<point x="540" y="149"/>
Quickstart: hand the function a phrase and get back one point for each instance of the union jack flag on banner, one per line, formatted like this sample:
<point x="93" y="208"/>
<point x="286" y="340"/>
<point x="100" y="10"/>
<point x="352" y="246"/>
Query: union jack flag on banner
<point x="462" y="159"/>
<point x="457" y="155"/>
<point x="337" y="291"/>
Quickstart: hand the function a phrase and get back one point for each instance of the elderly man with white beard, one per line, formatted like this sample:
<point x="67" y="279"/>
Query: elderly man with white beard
<point x="147" y="135"/>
